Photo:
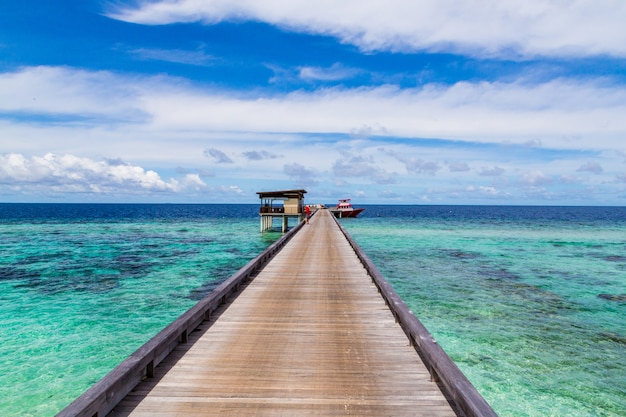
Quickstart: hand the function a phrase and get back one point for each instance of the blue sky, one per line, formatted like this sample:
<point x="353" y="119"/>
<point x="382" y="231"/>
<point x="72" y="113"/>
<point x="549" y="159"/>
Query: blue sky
<point x="395" y="102"/>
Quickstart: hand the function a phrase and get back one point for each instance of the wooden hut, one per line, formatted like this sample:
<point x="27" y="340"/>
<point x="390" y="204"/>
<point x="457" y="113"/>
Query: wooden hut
<point x="282" y="205"/>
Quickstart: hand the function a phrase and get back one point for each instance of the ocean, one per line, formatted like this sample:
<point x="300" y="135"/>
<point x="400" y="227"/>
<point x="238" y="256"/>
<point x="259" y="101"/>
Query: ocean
<point x="530" y="302"/>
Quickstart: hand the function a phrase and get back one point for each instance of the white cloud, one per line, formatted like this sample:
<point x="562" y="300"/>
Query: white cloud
<point x="458" y="166"/>
<point x="560" y="114"/>
<point x="535" y="178"/>
<point x="302" y="175"/>
<point x="593" y="167"/>
<point x="361" y="168"/>
<point x="79" y="174"/>
<point x="563" y="113"/>
<point x="218" y="156"/>
<point x="491" y="171"/>
<point x="259" y="155"/>
<point x="232" y="189"/>
<point x="487" y="191"/>
<point x="480" y="27"/>
<point x="278" y="138"/>
<point x="60" y="91"/>
<point x="193" y="181"/>
<point x="336" y="72"/>
<point x="417" y="165"/>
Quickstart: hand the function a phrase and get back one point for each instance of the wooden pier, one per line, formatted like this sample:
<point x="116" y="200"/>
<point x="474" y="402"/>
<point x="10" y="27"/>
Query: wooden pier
<point x="314" y="333"/>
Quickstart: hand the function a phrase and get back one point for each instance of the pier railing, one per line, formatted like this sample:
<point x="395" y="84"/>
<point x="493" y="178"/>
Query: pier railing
<point x="102" y="397"/>
<point x="442" y="369"/>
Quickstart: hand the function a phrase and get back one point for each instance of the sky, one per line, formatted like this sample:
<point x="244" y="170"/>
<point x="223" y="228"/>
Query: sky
<point x="511" y="102"/>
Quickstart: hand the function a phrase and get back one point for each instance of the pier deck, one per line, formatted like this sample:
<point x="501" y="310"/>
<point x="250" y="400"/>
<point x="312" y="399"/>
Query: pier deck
<point x="309" y="336"/>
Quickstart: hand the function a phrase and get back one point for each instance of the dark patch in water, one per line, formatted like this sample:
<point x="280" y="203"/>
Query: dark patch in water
<point x="613" y="297"/>
<point x="199" y="240"/>
<point x="130" y="262"/>
<point x="614" y="337"/>
<point x="475" y="359"/>
<point x="615" y="258"/>
<point x="10" y="273"/>
<point x="539" y="301"/>
<point x="176" y="254"/>
<point x="557" y="243"/>
<point x="199" y="293"/>
<point x="457" y="254"/>
<point x="82" y="283"/>
<point x="87" y="283"/>
<point x="150" y="245"/>
<point x="501" y="274"/>
<point x="463" y="255"/>
<point x="234" y="251"/>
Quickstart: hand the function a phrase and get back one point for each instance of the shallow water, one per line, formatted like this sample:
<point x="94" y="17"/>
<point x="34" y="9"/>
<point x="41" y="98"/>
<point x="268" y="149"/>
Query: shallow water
<point x="528" y="301"/>
<point x="82" y="287"/>
<point x="530" y="306"/>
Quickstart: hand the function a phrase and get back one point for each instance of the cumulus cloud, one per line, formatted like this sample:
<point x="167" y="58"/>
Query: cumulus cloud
<point x="484" y="27"/>
<point x="592" y="167"/>
<point x="487" y="191"/>
<point x="79" y="174"/>
<point x="416" y="165"/>
<point x="356" y="166"/>
<point x="302" y="175"/>
<point x="259" y="155"/>
<point x="353" y="166"/>
<point x="199" y="172"/>
<point x="458" y="166"/>
<point x="218" y="156"/>
<point x="535" y="178"/>
<point x="232" y="189"/>
<point x="491" y="171"/>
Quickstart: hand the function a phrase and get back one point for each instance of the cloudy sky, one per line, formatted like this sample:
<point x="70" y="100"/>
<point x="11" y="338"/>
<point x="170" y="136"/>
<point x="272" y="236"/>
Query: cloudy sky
<point x="388" y="102"/>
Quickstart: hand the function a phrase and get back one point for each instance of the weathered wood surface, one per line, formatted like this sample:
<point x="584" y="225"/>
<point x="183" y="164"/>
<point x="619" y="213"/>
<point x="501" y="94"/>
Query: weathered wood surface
<point x="310" y="335"/>
<point x="463" y="394"/>
<point x="110" y="390"/>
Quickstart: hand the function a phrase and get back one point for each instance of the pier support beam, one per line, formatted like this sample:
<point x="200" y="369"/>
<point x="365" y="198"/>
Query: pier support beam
<point x="266" y="223"/>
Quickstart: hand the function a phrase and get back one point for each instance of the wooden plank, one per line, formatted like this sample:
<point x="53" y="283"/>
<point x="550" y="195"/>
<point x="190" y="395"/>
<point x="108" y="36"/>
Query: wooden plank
<point x="110" y="390"/>
<point x="442" y="368"/>
<point x="310" y="335"/>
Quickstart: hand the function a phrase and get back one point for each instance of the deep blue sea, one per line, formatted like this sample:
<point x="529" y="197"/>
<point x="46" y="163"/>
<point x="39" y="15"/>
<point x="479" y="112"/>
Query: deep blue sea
<point x="530" y="302"/>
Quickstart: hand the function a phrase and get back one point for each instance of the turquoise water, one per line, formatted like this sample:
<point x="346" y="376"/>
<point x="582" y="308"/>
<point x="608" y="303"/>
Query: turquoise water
<point x="79" y="294"/>
<point x="530" y="302"/>
<point x="532" y="310"/>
